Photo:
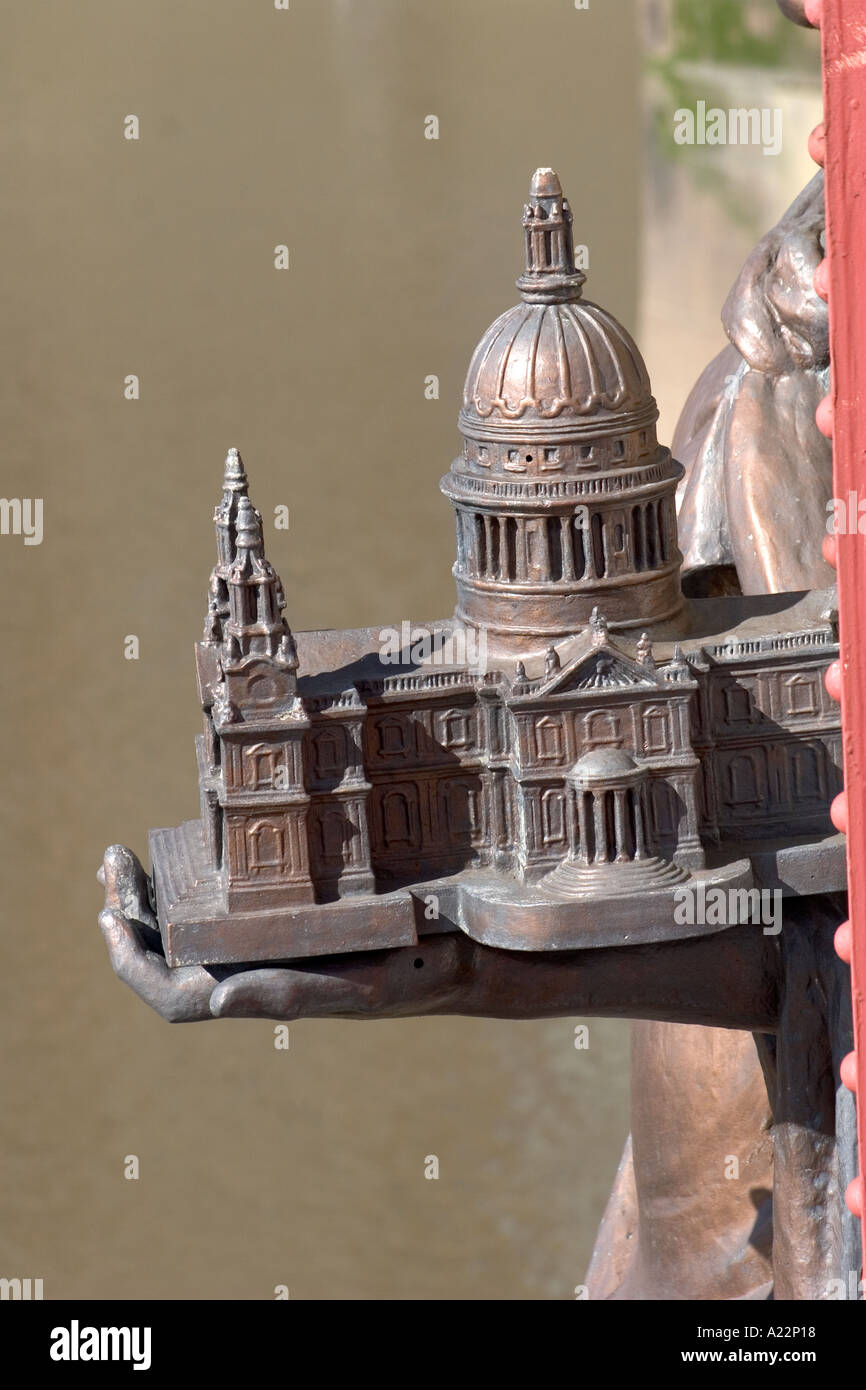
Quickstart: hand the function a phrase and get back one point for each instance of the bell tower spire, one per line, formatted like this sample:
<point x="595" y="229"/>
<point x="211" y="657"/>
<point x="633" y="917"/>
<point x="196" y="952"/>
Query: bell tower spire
<point x="255" y="626"/>
<point x="551" y="276"/>
<point x="225" y="518"/>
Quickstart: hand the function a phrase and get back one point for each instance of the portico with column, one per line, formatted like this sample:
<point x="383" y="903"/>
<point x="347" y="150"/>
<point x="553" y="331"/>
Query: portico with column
<point x="610" y="842"/>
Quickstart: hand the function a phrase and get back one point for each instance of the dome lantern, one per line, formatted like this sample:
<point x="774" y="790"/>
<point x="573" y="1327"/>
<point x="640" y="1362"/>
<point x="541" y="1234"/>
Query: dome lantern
<point x="550" y="275"/>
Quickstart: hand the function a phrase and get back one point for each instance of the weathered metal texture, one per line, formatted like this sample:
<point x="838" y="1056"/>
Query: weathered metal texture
<point x="747" y="422"/>
<point x="736" y="508"/>
<point x="731" y="661"/>
<point x="575" y="745"/>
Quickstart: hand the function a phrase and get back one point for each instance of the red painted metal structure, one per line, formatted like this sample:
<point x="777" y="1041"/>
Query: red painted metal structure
<point x="843" y="414"/>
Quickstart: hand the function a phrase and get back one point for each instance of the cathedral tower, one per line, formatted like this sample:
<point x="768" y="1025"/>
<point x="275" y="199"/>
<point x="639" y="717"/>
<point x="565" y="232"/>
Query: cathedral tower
<point x="564" y="498"/>
<point x="254" y="800"/>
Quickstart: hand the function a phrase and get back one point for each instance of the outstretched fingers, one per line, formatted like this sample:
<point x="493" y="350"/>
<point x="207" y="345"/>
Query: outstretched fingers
<point x="179" y="996"/>
<point x="126" y="886"/>
<point x="130" y="930"/>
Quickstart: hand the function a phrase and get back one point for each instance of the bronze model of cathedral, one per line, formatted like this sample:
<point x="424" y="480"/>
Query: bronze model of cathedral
<point x="547" y="769"/>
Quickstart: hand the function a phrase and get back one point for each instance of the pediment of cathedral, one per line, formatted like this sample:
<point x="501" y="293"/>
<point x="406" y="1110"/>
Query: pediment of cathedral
<point x="604" y="667"/>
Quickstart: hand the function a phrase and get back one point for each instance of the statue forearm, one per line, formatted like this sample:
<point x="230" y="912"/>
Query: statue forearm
<point x="729" y="981"/>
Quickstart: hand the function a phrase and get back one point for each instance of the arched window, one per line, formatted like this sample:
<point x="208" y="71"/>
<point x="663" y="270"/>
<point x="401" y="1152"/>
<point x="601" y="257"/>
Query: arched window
<point x="400" y="818"/>
<point x="332" y="834"/>
<point x="327" y="746"/>
<point x="454" y="729"/>
<point x="808" y="784"/>
<point x="393" y="737"/>
<point x="743" y="781"/>
<point x="600" y="728"/>
<point x="552" y="817"/>
<point x="260" y="762"/>
<point x="548" y="738"/>
<point x="656" y="730"/>
<point x="266" y="845"/>
<point x="739" y="708"/>
<point x="459" y="802"/>
<point x="801" y="694"/>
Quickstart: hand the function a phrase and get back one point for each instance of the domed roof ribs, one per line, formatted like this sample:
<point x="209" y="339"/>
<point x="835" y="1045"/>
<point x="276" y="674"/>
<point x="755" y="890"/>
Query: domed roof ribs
<point x="564" y="364"/>
<point x="529" y="391"/>
<point x="616" y="329"/>
<point x="511" y="411"/>
<point x="485" y="348"/>
<point x="596" y="395"/>
<point x="554" y="344"/>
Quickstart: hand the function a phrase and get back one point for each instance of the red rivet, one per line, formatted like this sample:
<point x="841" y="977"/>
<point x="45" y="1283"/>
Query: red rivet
<point x="833" y="680"/>
<point x="829" y="549"/>
<point x="854" y="1197"/>
<point x="814" y="11"/>
<point x="842" y="942"/>
<point x="824" y="417"/>
<point x="821" y="279"/>
<point x="817" y="144"/>
<point x="848" y="1071"/>
<point x="839" y="812"/>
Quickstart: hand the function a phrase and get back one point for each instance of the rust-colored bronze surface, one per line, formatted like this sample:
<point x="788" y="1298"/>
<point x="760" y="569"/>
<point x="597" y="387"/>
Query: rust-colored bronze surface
<point x="556" y="765"/>
<point x="719" y="702"/>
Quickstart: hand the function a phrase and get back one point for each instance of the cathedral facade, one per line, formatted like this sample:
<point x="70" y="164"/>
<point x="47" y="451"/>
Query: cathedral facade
<point x="616" y="740"/>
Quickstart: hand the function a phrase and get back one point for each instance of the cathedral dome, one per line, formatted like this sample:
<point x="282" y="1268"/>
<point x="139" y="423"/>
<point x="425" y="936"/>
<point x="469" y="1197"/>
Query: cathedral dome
<point x="601" y="766"/>
<point x="569" y="363"/>
<point x="555" y="374"/>
<point x="564" y="500"/>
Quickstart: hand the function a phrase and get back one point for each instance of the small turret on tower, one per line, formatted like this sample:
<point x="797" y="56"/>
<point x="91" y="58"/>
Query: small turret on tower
<point x="255" y="626"/>
<point x="244" y="616"/>
<point x="235" y="487"/>
<point x="550" y="275"/>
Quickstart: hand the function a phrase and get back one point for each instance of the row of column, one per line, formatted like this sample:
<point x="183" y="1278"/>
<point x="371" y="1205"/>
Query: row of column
<point x="559" y="549"/>
<point x="546" y="247"/>
<point x="608" y="826"/>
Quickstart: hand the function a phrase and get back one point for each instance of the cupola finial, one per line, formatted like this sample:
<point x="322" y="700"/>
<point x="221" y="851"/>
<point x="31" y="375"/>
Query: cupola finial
<point x="550" y="275"/>
<point x="234" y="478"/>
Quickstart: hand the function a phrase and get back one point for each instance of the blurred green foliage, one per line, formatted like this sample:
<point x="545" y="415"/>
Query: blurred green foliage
<point x="741" y="32"/>
<point x="720" y="34"/>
